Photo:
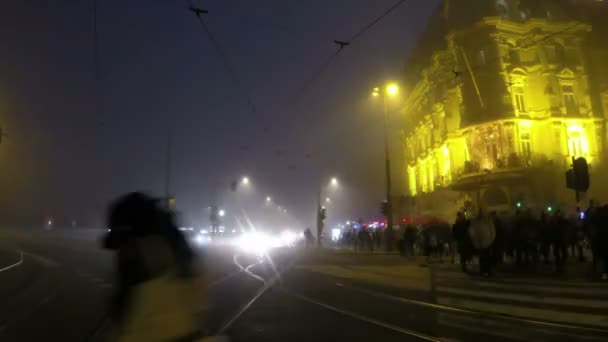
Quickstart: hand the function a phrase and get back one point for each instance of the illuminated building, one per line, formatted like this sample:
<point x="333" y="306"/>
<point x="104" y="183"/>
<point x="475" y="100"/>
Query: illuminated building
<point x="500" y="96"/>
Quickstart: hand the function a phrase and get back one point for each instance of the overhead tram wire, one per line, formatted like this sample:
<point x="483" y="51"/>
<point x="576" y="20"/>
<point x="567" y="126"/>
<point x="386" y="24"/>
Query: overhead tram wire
<point x="198" y="12"/>
<point x="341" y="44"/>
<point x="374" y="22"/>
<point x="317" y="74"/>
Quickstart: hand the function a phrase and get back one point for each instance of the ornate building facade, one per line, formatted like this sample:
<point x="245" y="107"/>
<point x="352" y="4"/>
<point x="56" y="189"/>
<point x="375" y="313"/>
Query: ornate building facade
<point x="500" y="96"/>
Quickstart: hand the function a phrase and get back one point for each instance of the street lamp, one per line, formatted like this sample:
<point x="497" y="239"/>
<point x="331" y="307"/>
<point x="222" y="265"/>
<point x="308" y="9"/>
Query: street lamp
<point x="245" y="180"/>
<point x="327" y="200"/>
<point x="268" y="199"/>
<point x="222" y="213"/>
<point x="391" y="90"/>
<point x="334" y="181"/>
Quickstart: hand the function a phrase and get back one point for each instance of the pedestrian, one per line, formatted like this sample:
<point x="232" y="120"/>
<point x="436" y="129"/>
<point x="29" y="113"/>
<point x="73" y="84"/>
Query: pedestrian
<point x="531" y="232"/>
<point x="378" y="238"/>
<point x="519" y="238"/>
<point x="483" y="235"/>
<point x="559" y="229"/>
<point x="602" y="239"/>
<point x="155" y="294"/>
<point x="579" y="235"/>
<point x="545" y="236"/>
<point x="361" y="240"/>
<point x="431" y="243"/>
<point x="591" y="225"/>
<point x="409" y="237"/>
<point x="500" y="243"/>
<point x="460" y="231"/>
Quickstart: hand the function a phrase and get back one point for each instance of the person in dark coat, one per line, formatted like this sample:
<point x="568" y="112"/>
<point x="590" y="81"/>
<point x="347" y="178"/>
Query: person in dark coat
<point x="545" y="236"/>
<point x="602" y="239"/>
<point x="460" y="231"/>
<point x="409" y="237"/>
<point x="149" y="247"/>
<point x="559" y="229"/>
<point x="501" y="237"/>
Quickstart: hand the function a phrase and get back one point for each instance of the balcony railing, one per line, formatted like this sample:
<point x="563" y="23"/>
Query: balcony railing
<point x="514" y="161"/>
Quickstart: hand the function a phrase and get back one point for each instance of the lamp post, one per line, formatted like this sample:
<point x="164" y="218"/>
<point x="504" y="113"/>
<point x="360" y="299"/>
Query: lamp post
<point x="391" y="90"/>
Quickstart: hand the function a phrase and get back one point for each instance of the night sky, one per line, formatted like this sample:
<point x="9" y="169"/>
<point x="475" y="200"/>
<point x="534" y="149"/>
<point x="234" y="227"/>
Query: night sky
<point x="72" y="144"/>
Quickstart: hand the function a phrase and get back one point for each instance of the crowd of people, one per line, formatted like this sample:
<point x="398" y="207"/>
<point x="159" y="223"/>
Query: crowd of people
<point x="522" y="238"/>
<point x="366" y="239"/>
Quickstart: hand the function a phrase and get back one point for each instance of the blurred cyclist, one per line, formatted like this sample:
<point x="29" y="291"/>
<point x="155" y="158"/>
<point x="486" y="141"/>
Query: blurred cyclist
<point x="155" y="297"/>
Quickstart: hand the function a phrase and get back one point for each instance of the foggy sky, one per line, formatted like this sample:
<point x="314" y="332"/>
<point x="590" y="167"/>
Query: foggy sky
<point x="71" y="146"/>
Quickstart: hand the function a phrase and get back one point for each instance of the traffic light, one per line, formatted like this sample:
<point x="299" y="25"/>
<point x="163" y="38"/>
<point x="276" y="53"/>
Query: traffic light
<point x="577" y="178"/>
<point x="581" y="174"/>
<point x="322" y="213"/>
<point x="570" y="180"/>
<point x="233" y="186"/>
<point x="385" y="208"/>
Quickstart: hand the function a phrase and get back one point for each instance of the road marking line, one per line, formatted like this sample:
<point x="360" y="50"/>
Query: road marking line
<point x="235" y="259"/>
<point x="253" y="275"/>
<point x="525" y="298"/>
<point x="491" y="326"/>
<point x="364" y="318"/>
<point x="446" y="304"/>
<point x="257" y="295"/>
<point x="223" y="279"/>
<point x="15" y="264"/>
<point x="524" y="313"/>
<point x="44" y="260"/>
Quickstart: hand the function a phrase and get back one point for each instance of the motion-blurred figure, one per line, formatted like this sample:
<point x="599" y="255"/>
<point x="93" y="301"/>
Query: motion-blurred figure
<point x="602" y="239"/>
<point x="155" y="298"/>
<point x="460" y="231"/>
<point x="483" y="235"/>
<point x="559" y="227"/>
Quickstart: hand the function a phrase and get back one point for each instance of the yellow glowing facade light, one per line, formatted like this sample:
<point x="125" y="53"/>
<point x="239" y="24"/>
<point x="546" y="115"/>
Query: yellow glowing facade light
<point x="411" y="172"/>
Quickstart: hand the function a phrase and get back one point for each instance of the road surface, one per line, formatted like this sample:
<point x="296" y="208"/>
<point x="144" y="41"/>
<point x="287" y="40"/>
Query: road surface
<point x="54" y="286"/>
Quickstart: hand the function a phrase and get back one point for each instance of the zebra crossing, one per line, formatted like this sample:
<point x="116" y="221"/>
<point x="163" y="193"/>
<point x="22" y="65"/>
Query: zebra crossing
<point x="545" y="303"/>
<point x="508" y="307"/>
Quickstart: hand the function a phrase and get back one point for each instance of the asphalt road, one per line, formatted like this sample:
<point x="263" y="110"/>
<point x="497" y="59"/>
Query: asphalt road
<point x="54" y="286"/>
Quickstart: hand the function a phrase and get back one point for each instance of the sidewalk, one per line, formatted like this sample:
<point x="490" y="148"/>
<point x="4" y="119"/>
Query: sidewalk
<point x="568" y="298"/>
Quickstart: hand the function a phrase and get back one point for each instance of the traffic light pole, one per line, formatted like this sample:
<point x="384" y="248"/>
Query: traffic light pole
<point x="577" y="194"/>
<point x="387" y="166"/>
<point x="319" y="221"/>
